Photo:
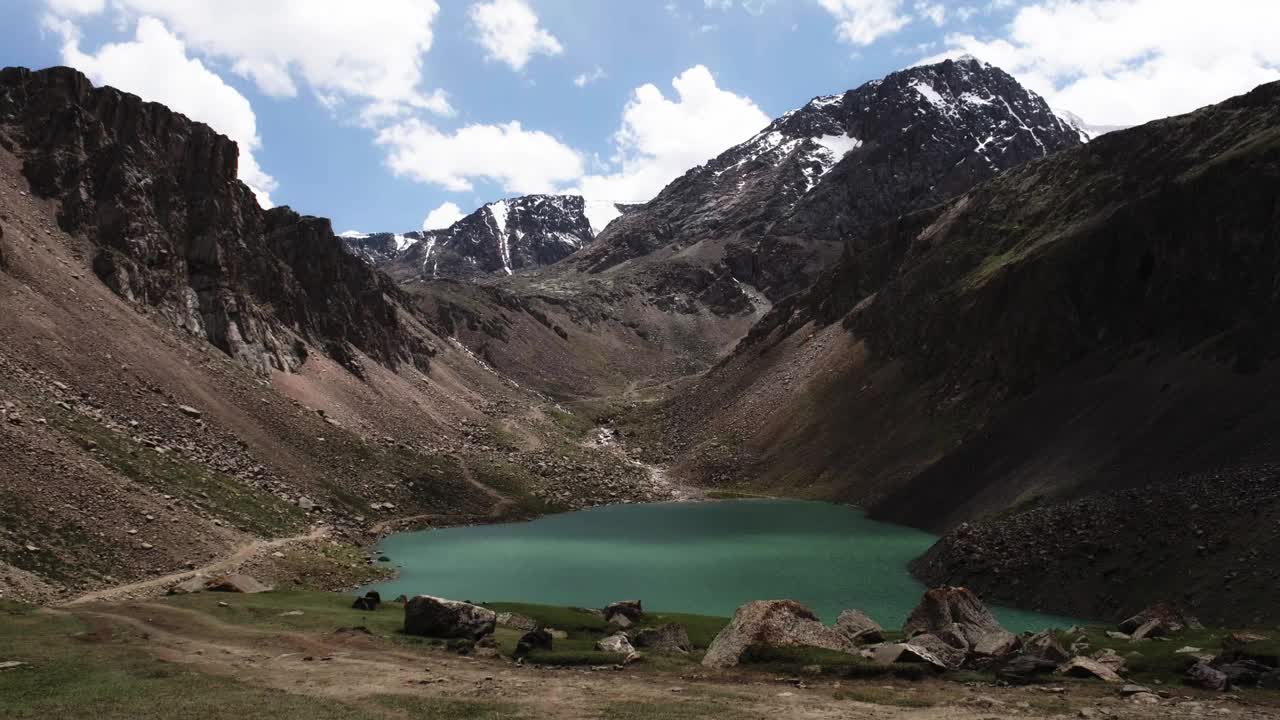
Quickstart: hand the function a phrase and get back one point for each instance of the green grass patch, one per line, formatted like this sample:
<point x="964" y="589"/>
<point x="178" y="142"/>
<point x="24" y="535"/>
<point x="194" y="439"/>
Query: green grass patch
<point x="1159" y="659"/>
<point x="73" y="674"/>
<point x="577" y="426"/>
<point x="422" y="708"/>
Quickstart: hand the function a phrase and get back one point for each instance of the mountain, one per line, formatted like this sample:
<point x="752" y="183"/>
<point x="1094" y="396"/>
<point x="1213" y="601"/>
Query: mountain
<point x="500" y="238"/>
<point x="1071" y="367"/>
<point x="183" y="374"/>
<point x="771" y="213"/>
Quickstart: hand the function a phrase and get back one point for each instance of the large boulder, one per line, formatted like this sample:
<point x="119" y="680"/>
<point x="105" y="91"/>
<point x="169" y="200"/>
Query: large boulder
<point x="947" y="611"/>
<point x="369" y="602"/>
<point x="193" y="584"/>
<point x="236" y="583"/>
<point x="1089" y="668"/>
<point x="772" y="623"/>
<point x="1045" y="646"/>
<point x="429" y="616"/>
<point x="1203" y="676"/>
<point x="1159" y="619"/>
<point x="943" y="606"/>
<point x="1025" y="669"/>
<point x="616" y="643"/>
<point x="624" y="612"/>
<point x="533" y="640"/>
<point x="670" y="639"/>
<point x="859" y="627"/>
<point x="934" y="650"/>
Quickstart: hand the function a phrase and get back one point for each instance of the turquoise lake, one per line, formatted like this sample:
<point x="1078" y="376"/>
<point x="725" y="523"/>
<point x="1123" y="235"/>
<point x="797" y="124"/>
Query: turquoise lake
<point x="697" y="557"/>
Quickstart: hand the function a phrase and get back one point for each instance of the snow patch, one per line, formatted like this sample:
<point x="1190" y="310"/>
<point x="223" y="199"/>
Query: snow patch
<point x="599" y="214"/>
<point x="930" y="95"/>
<point x="402" y="242"/>
<point x="354" y="235"/>
<point x="498" y="211"/>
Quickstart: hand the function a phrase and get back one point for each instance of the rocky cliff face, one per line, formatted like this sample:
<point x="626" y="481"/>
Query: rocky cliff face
<point x="774" y="211"/>
<point x="499" y="239"/>
<point x="171" y="228"/>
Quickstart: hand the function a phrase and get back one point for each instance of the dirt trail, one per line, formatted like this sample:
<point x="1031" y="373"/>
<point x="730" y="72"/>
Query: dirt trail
<point x="353" y="666"/>
<point x="501" y="506"/>
<point x="242" y="554"/>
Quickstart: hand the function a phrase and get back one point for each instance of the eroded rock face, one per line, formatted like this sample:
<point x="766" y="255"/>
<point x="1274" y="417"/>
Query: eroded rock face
<point x="429" y="616"/>
<point x="173" y="229"/>
<point x="772" y="623"/>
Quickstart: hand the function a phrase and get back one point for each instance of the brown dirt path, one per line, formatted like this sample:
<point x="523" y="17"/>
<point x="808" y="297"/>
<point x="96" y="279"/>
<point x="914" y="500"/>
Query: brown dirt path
<point x="242" y="554"/>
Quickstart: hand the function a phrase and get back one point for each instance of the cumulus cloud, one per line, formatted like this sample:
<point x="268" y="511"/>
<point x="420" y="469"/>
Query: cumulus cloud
<point x="862" y="22"/>
<point x="509" y="32"/>
<point x="519" y="160"/>
<point x="186" y="86"/>
<point x="1129" y="61"/>
<point x="661" y="137"/>
<point x="442" y="217"/>
<point x="935" y="12"/>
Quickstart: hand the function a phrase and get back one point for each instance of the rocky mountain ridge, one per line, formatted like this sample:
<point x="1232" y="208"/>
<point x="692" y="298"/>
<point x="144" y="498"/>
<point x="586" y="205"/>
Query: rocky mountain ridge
<point x="774" y="211"/>
<point x="172" y="228"/>
<point x="500" y="238"/>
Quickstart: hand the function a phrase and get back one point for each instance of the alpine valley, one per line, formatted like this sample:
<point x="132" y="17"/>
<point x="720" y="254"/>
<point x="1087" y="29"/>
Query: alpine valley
<point x="1051" y="345"/>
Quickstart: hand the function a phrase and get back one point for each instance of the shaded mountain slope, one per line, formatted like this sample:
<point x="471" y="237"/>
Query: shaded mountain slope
<point x="1098" y="320"/>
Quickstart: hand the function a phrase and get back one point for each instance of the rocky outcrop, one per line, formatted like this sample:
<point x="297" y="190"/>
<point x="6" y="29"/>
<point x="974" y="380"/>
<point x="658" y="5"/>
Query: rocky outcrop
<point x="173" y="229"/>
<point x="435" y="617"/>
<point x="772" y="624"/>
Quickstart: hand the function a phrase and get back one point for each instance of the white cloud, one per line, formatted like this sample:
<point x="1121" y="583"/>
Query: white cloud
<point x="509" y="32"/>
<point x="586" y="78"/>
<point x="1129" y="61"/>
<point x="185" y="85"/>
<point x="661" y="138"/>
<point x="442" y="217"/>
<point x="340" y="49"/>
<point x="77" y="7"/>
<point x="935" y="12"/>
<point x="862" y="22"/>
<point x="717" y="4"/>
<point x="520" y="160"/>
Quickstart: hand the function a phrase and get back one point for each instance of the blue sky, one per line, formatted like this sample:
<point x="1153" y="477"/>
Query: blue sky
<point x="377" y="117"/>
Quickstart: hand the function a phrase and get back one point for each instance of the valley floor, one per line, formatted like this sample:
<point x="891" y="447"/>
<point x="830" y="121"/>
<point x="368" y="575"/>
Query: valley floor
<point x="297" y="655"/>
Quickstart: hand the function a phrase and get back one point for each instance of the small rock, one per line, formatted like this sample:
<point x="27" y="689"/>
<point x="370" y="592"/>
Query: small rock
<point x="190" y="411"/>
